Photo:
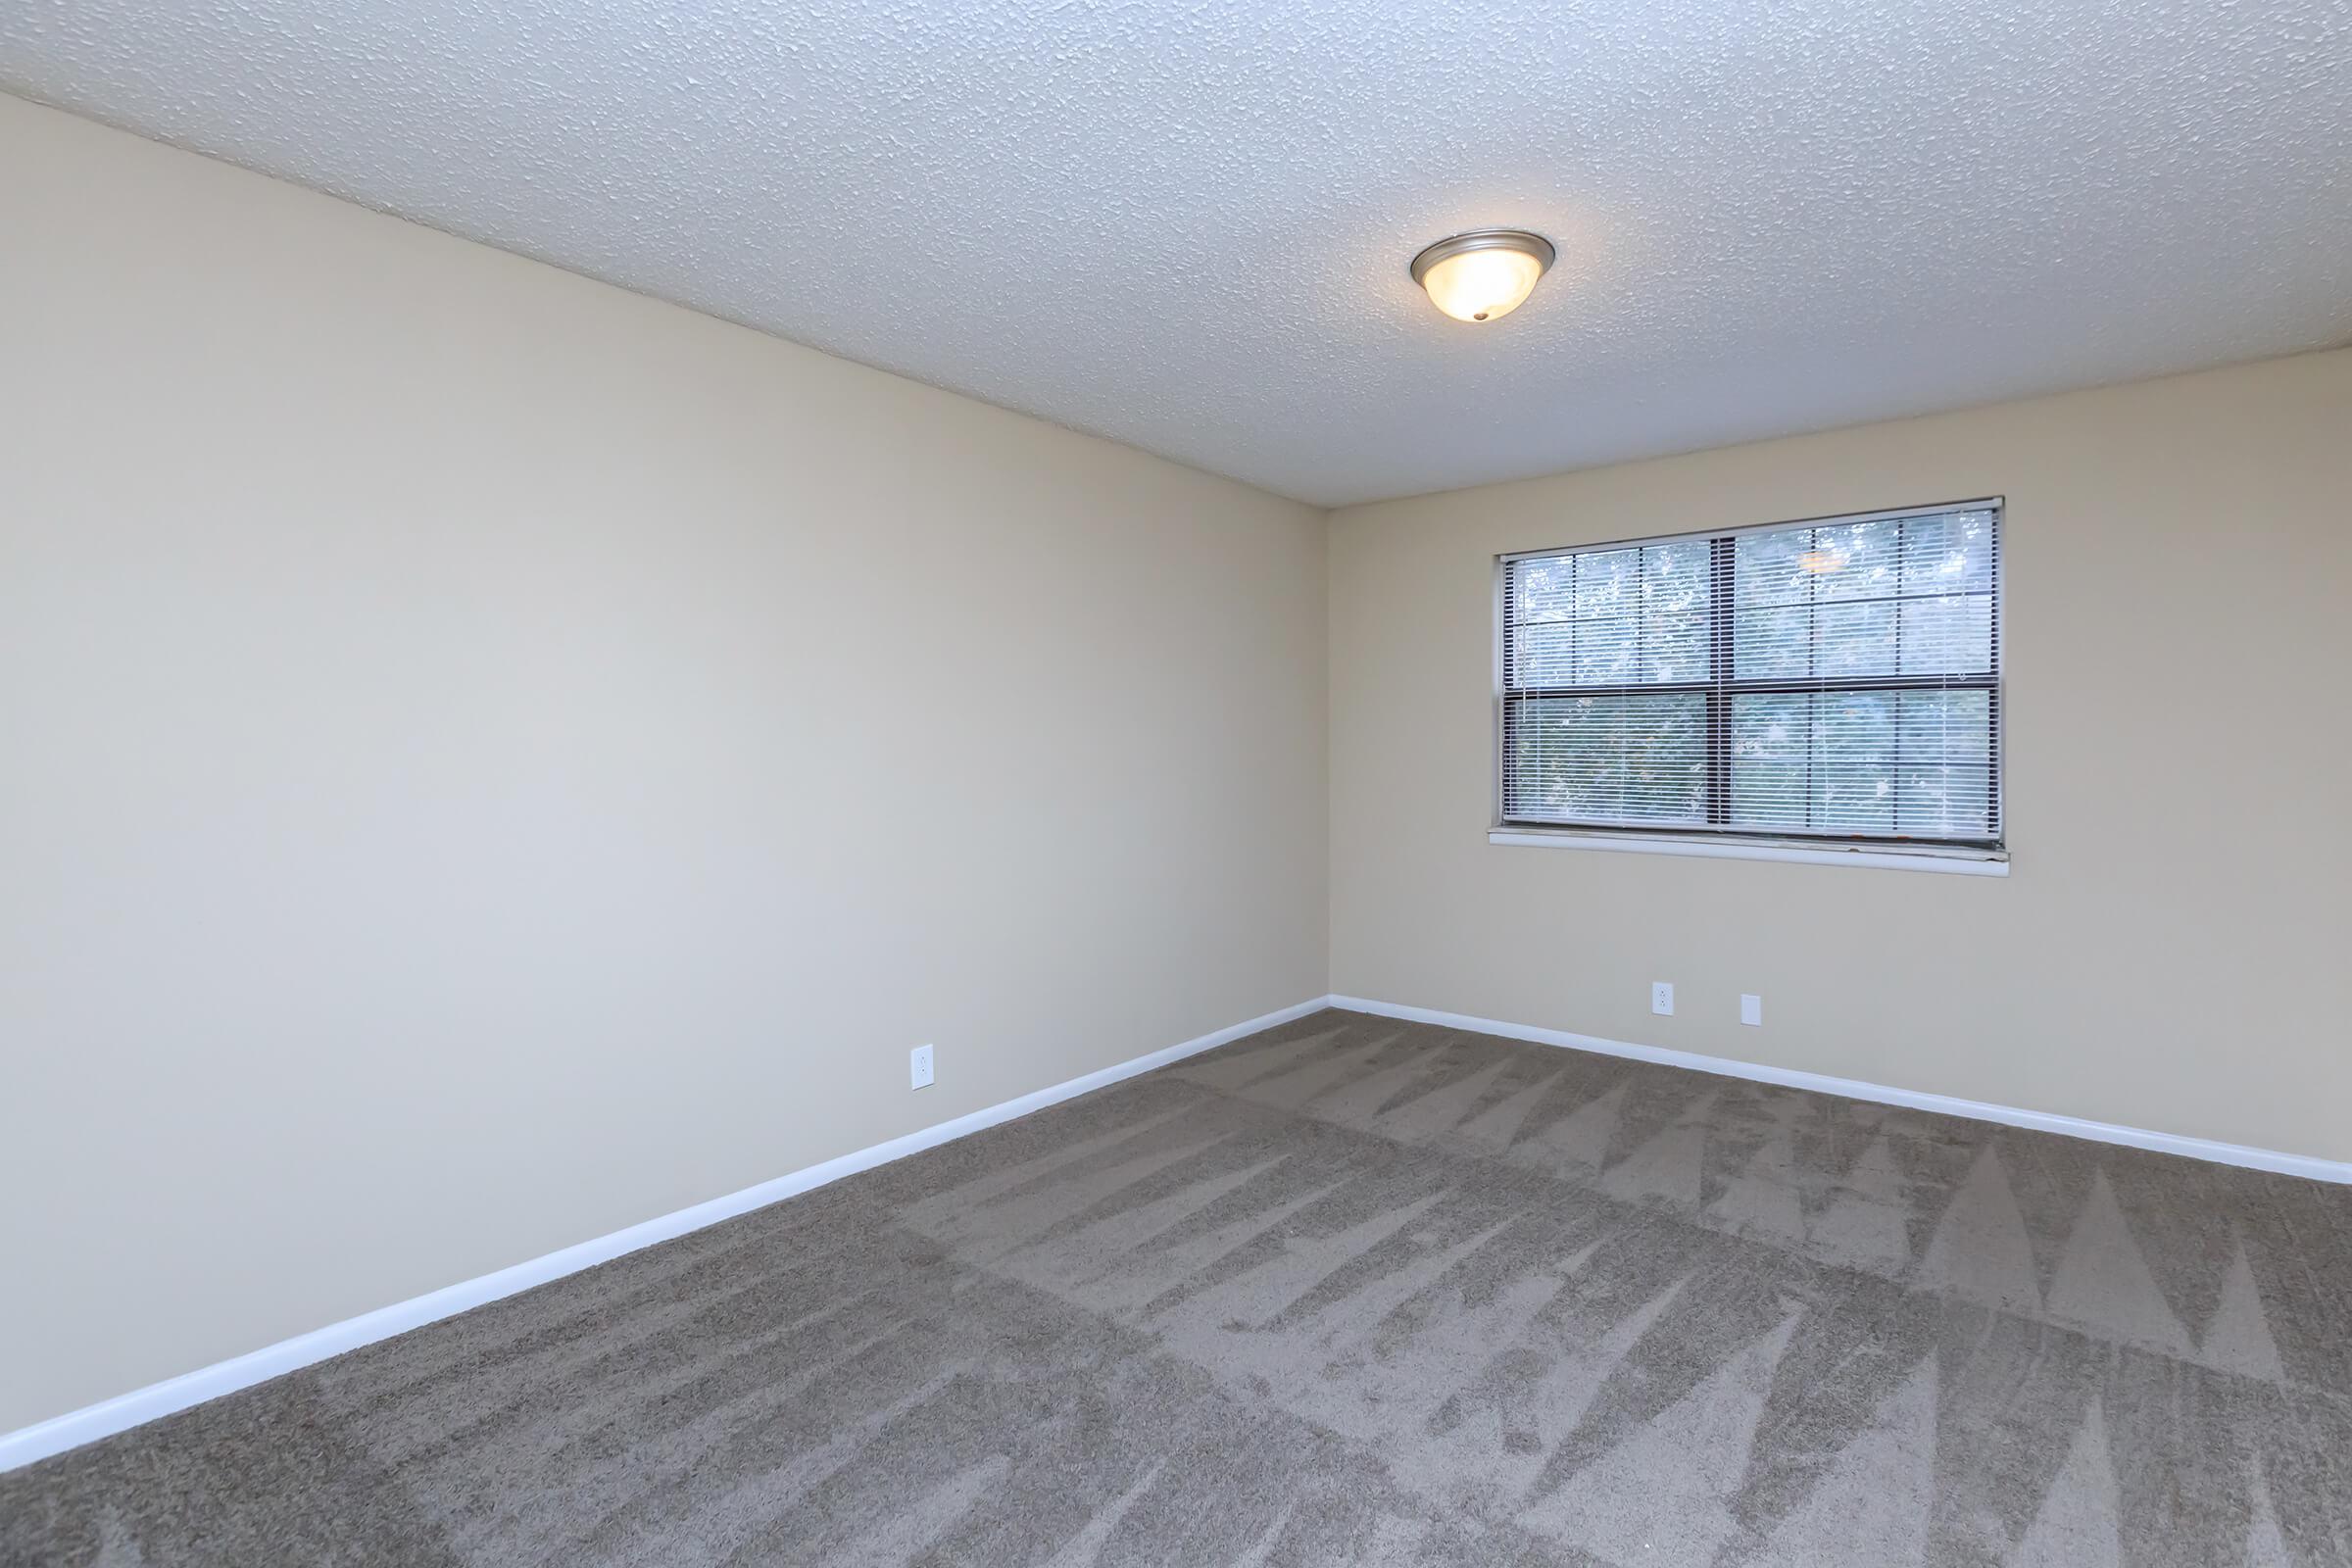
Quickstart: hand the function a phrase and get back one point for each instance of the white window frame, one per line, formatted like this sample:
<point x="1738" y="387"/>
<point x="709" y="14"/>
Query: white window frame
<point x="1969" y="860"/>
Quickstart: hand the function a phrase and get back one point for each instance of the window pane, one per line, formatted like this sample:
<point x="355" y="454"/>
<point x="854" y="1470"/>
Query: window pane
<point x="1608" y="759"/>
<point x="1853" y="560"/>
<point x="1772" y="644"/>
<point x="1675" y="592"/>
<point x="1948" y="636"/>
<point x="1853" y="762"/>
<point x="1542" y="654"/>
<point x="1605" y="649"/>
<point x="1854" y="640"/>
<point x="1767" y="569"/>
<point x="1673" y="576"/>
<point x="1945" y="783"/>
<point x="1608" y="582"/>
<point x="1675" y="649"/>
<point x="1951" y="553"/>
<point x="1772" y="740"/>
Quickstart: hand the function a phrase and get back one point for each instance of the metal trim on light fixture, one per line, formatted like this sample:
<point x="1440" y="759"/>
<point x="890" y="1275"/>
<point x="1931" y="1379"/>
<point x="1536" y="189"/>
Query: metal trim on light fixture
<point x="1486" y="239"/>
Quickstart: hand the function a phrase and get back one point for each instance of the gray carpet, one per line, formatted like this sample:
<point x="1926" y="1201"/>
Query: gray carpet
<point x="1348" y="1292"/>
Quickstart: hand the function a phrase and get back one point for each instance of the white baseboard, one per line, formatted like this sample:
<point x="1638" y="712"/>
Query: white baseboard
<point x="2306" y="1165"/>
<point x="125" y="1411"/>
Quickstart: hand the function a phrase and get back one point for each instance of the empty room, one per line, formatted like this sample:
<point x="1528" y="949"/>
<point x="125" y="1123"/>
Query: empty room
<point x="872" y="782"/>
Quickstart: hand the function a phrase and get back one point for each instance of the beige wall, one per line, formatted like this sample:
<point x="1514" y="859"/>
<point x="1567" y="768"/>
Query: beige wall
<point x="2171" y="948"/>
<point x="490" y="758"/>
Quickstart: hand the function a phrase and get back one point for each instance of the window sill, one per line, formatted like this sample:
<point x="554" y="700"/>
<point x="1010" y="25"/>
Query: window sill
<point x="1949" y="861"/>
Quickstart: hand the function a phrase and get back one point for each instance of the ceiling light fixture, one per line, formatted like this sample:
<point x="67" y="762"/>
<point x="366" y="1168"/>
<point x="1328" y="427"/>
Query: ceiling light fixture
<point x="1484" y="273"/>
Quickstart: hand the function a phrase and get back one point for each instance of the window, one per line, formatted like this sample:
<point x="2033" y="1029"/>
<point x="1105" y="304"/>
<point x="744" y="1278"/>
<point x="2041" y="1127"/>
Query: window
<point x="1826" y="683"/>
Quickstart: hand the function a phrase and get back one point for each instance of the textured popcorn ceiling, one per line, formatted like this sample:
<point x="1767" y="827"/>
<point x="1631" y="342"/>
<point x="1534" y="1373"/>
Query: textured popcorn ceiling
<point x="1186" y="224"/>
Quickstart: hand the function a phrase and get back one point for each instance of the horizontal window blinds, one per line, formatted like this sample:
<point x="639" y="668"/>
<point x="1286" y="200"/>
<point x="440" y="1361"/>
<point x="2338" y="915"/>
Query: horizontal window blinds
<point x="1834" y="679"/>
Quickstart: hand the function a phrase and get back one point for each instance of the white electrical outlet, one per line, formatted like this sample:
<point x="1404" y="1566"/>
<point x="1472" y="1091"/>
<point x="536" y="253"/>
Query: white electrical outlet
<point x="1661" y="997"/>
<point x="1751" y="1009"/>
<point x="919" y="1066"/>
